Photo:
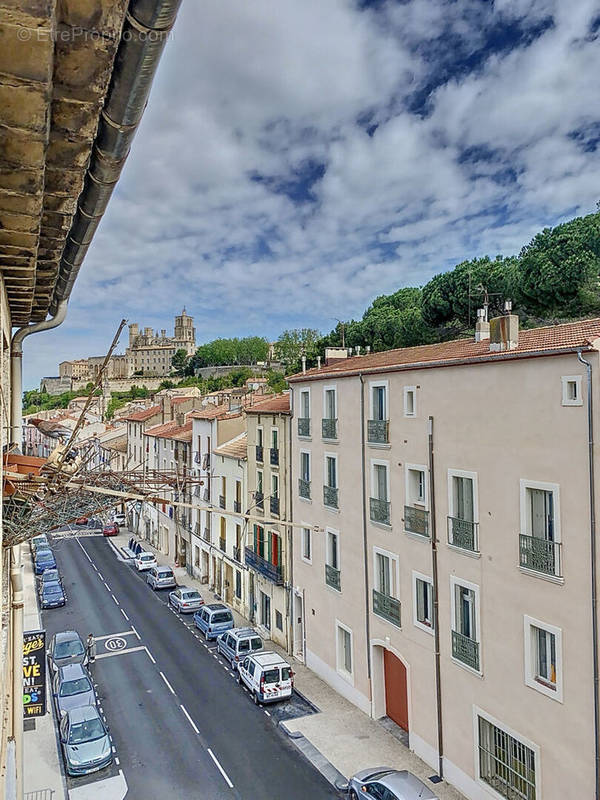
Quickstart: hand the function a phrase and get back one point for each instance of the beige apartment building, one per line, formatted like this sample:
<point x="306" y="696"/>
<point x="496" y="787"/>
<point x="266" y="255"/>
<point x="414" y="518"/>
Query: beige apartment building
<point x="456" y="472"/>
<point x="268" y="551"/>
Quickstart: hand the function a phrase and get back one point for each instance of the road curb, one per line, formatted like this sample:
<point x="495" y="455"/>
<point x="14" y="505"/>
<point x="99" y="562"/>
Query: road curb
<point x="331" y="774"/>
<point x="315" y="708"/>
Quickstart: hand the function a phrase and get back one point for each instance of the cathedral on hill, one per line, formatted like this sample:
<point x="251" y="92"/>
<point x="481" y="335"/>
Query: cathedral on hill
<point x="150" y="352"/>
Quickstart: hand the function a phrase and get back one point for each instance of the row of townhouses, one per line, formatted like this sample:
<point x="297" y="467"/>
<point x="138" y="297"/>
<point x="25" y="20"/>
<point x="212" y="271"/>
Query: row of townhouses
<point x="416" y="526"/>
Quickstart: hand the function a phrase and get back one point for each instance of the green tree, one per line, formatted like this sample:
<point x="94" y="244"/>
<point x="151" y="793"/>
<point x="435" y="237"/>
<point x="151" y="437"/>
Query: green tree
<point x="240" y="376"/>
<point x="179" y="361"/>
<point x="294" y="343"/>
<point x="222" y="352"/>
<point x="167" y="384"/>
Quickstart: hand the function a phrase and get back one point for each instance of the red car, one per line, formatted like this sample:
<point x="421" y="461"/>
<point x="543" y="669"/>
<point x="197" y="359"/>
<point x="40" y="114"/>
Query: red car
<point x="82" y="521"/>
<point x="111" y="529"/>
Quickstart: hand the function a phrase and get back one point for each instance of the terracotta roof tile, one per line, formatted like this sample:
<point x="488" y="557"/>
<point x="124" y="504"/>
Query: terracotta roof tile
<point x="277" y="404"/>
<point x="209" y="412"/>
<point x="162" y="429"/>
<point x="236" y="448"/>
<point x="567" y="337"/>
<point x="143" y="415"/>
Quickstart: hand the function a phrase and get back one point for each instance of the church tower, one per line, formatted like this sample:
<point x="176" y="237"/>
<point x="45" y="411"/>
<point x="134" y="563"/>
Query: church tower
<point x="185" y="333"/>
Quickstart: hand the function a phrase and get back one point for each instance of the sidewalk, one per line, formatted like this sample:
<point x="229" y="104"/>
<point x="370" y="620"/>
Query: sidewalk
<point x="340" y="739"/>
<point x="40" y="746"/>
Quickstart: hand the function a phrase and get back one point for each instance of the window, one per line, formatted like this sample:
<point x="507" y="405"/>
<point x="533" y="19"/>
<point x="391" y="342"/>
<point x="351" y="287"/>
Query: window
<point x="539" y="540"/>
<point x="416" y="485"/>
<point x="505" y="762"/>
<point x="330" y="405"/>
<point x="259" y="480"/>
<point x="380" y="481"/>
<point x="331" y="471"/>
<point x="410" y="401"/>
<point x="307" y="544"/>
<point x="274" y="438"/>
<point x="465" y="623"/>
<point x="379" y="505"/>
<point x="305" y="404"/>
<point x="259" y="437"/>
<point x="543" y="657"/>
<point x="344" y="650"/>
<point x="238" y="584"/>
<point x="462" y="502"/>
<point x="275" y="486"/>
<point x="332" y="556"/>
<point x="332" y="560"/>
<point x="278" y="620"/>
<point x="571" y="390"/>
<point x="378" y="402"/>
<point x="423" y="602"/>
<point x="383" y="577"/>
<point x="265" y="610"/>
<point x="305" y="466"/>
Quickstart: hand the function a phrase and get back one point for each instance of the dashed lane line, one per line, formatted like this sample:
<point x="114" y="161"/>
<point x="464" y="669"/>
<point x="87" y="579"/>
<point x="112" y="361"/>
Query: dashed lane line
<point x="189" y="719"/>
<point x="150" y="656"/>
<point x="163" y="676"/>
<point x="84" y="550"/>
<point x="136" y="633"/>
<point x="126" y="617"/>
<point x="220" y="768"/>
<point x="114" y="598"/>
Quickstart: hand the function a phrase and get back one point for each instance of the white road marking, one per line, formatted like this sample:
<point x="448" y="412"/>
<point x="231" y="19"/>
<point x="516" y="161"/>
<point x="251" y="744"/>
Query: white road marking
<point x="136" y="633"/>
<point x="121" y="652"/>
<point x="266" y="712"/>
<point x="126" y="617"/>
<point x="150" y="656"/>
<point x="114" y="598"/>
<point x="114" y="788"/>
<point x="111" y="635"/>
<point x="117" y="762"/>
<point x="190" y="720"/>
<point x="220" y="768"/>
<point x="100" y="575"/>
<point x="162" y="675"/>
<point x="84" y="550"/>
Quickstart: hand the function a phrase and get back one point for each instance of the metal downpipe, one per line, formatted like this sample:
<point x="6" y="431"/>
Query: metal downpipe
<point x="436" y="616"/>
<point x="16" y="581"/>
<point x="16" y="369"/>
<point x="594" y="579"/>
<point x="363" y="457"/>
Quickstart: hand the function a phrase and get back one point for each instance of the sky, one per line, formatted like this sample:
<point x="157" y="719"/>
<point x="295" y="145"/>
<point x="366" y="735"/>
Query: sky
<point x="299" y="158"/>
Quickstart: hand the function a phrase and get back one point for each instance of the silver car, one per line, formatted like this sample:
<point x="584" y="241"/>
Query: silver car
<point x="71" y="688"/>
<point x="65" y="648"/>
<point x="385" y="783"/>
<point x="85" y="741"/>
<point x="161" y="578"/>
<point x="185" y="600"/>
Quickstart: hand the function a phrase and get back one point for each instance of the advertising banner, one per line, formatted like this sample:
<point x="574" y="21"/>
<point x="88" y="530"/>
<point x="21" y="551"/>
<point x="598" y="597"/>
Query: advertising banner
<point x="34" y="674"/>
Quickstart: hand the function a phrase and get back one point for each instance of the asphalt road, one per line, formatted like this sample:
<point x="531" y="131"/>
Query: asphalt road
<point x="180" y="723"/>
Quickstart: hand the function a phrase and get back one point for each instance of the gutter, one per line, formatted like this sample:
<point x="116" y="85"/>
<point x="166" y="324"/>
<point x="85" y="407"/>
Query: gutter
<point x="594" y="580"/>
<point x="147" y="27"/>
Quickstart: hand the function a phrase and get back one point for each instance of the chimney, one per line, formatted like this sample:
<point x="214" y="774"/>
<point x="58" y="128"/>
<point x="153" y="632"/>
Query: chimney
<point x="180" y="419"/>
<point x="504" y="331"/>
<point x="367" y="349"/>
<point x="357" y="349"/>
<point x="333" y="354"/>
<point x="318" y="362"/>
<point x="303" y="365"/>
<point x="482" y="326"/>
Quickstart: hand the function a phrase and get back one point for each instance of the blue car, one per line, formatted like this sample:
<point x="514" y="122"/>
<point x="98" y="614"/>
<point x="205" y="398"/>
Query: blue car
<point x="213" y="619"/>
<point x="52" y="595"/>
<point x="44" y="559"/>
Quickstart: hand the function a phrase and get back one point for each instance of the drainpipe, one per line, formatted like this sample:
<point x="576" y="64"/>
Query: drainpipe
<point x="16" y="369"/>
<point x="592" y="493"/>
<point x="436" y="622"/>
<point x="16" y="580"/>
<point x="287" y="426"/>
<point x="365" y="539"/>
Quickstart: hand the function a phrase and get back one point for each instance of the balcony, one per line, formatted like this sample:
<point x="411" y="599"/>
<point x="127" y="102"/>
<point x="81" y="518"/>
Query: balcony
<point x="379" y="510"/>
<point x="464" y="534"/>
<point x="260" y="454"/>
<point x="237" y="553"/>
<point x="197" y="458"/>
<point x="223" y="544"/>
<point x="416" y="520"/>
<point x="378" y="431"/>
<point x="329" y="428"/>
<point x="386" y="607"/>
<point x="237" y="506"/>
<point x="303" y="426"/>
<point x="330" y="496"/>
<point x="221" y="501"/>
<point x="540" y="555"/>
<point x="259" y="499"/>
<point x="304" y="488"/>
<point x="333" y="578"/>
<point x="274" y="505"/>
<point x="274" y="456"/>
<point x="271" y="571"/>
<point x="466" y="650"/>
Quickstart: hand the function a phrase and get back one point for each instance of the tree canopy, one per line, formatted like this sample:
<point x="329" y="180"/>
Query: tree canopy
<point x="220" y="352"/>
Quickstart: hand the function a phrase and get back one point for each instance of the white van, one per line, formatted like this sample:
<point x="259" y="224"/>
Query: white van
<point x="267" y="676"/>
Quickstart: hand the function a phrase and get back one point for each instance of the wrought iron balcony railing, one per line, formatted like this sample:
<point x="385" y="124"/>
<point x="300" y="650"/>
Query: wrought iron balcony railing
<point x="386" y="607"/>
<point x="274" y="456"/>
<point x="330" y="496"/>
<point x="303" y="426"/>
<point x="271" y="571"/>
<point x="304" y="488"/>
<point x="416" y="520"/>
<point x="333" y="577"/>
<point x="465" y="649"/>
<point x="329" y="428"/>
<point x="378" y="431"/>
<point x="540" y="555"/>
<point x="274" y="505"/>
<point x="379" y="510"/>
<point x="464" y="534"/>
<point x="260" y="453"/>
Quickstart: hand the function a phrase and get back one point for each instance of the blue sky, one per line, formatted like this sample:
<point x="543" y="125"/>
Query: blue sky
<point x="298" y="159"/>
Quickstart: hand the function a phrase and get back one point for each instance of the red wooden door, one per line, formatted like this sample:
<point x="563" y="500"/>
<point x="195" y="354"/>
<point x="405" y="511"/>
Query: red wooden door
<point x="396" y="689"/>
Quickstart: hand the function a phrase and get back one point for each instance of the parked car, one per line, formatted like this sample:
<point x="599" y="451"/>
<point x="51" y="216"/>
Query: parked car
<point x="161" y="578"/>
<point x="185" y="600"/>
<point x="85" y="741"/>
<point x="65" y="648"/>
<point x="44" y="559"/>
<point x="119" y="518"/>
<point x="111" y="529"/>
<point x="144" y="561"/>
<point x="72" y="687"/>
<point x="238" y="643"/>
<point x="49" y="576"/>
<point x="52" y="594"/>
<point x="267" y="676"/>
<point x="39" y="541"/>
<point x="212" y="619"/>
<point x="82" y="520"/>
<point x="388" y="784"/>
